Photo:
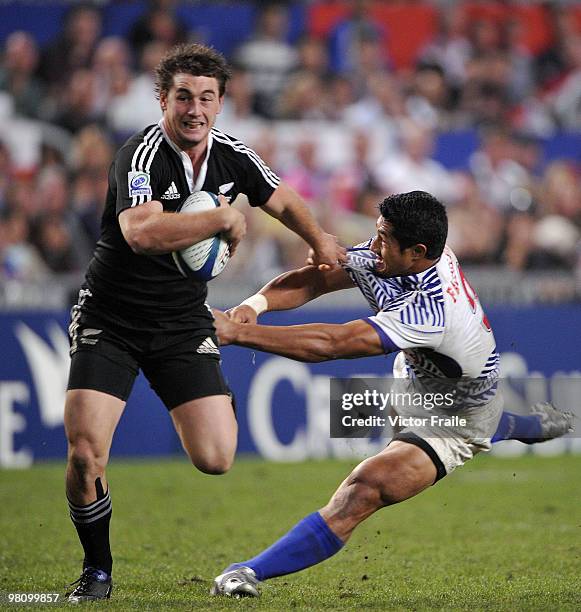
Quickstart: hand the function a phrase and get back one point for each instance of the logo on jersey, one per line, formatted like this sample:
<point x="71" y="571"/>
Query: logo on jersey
<point x="139" y="184"/>
<point x="89" y="331"/>
<point x="224" y="189"/>
<point x="208" y="346"/>
<point x="171" y="193"/>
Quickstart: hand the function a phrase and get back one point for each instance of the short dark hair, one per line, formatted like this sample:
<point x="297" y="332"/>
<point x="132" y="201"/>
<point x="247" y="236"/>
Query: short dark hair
<point x="417" y="217"/>
<point x="194" y="59"/>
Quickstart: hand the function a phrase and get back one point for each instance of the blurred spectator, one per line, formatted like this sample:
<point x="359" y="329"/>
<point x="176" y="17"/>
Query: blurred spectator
<point x="5" y="174"/>
<point x="379" y="113"/>
<point x="566" y="99"/>
<point x="551" y="65"/>
<point x="303" y="98"/>
<point x="22" y="197"/>
<point x="485" y="37"/>
<point x="533" y="116"/>
<point x="560" y="192"/>
<point x="368" y="201"/>
<point x="18" y="258"/>
<point x="519" y="241"/>
<point x="87" y="202"/>
<point x="268" y="57"/>
<point x="313" y="57"/>
<point x="237" y="115"/>
<point x="56" y="246"/>
<point x="74" y="48"/>
<point x="485" y="96"/>
<point x="526" y="151"/>
<point x="340" y="97"/>
<point x="556" y="241"/>
<point x="308" y="178"/>
<point x="349" y="180"/>
<point x="58" y="232"/>
<point x="384" y="99"/>
<point x="475" y="228"/>
<point x="412" y="168"/>
<point x="354" y="36"/>
<point x="92" y="153"/>
<point x="370" y="62"/>
<point x="521" y="83"/>
<point x="451" y="48"/>
<point x="135" y="105"/>
<point x="428" y="102"/>
<point x="112" y="68"/>
<point x="18" y="74"/>
<point x="503" y="182"/>
<point x="158" y="24"/>
<point x="77" y="106"/>
<point x="550" y="243"/>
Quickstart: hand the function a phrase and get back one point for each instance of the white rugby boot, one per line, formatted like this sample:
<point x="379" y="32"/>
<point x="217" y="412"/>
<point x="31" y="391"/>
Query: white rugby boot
<point x="239" y="582"/>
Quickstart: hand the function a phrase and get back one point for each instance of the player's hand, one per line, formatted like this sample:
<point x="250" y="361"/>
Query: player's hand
<point x="327" y="254"/>
<point x="235" y="225"/>
<point x="242" y="314"/>
<point x="225" y="328"/>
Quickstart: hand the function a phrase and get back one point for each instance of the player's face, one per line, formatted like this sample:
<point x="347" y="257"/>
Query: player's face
<point x="391" y="259"/>
<point x="190" y="108"/>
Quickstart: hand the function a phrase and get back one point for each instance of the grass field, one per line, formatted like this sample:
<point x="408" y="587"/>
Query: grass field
<point x="499" y="534"/>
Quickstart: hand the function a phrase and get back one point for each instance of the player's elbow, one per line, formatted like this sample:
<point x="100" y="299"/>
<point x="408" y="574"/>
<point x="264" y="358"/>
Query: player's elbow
<point x="140" y="240"/>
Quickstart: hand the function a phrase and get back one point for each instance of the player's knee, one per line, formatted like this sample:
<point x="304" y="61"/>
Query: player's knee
<point x="359" y="494"/>
<point x="213" y="463"/>
<point x="398" y="478"/>
<point x="382" y="481"/>
<point x="85" y="460"/>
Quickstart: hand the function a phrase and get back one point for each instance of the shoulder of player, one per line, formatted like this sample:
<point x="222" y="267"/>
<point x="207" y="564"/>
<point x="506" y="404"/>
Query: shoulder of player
<point x="141" y="149"/>
<point x="242" y="156"/>
<point x="234" y="149"/>
<point x="225" y="144"/>
<point x="421" y="301"/>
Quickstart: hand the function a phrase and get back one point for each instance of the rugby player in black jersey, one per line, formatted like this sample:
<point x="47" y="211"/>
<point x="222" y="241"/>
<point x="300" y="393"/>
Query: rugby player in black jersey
<point x="135" y="309"/>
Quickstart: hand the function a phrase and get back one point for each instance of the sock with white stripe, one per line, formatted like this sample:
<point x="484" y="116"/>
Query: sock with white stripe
<point x="92" y="524"/>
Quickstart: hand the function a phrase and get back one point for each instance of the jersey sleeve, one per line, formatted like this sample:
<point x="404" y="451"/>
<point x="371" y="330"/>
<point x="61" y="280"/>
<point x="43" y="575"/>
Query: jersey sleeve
<point x="261" y="181"/>
<point x="138" y="175"/>
<point x="414" y="321"/>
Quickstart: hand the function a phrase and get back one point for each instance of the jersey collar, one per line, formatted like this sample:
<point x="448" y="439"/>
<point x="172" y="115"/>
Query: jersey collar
<point x="187" y="162"/>
<point x="362" y="258"/>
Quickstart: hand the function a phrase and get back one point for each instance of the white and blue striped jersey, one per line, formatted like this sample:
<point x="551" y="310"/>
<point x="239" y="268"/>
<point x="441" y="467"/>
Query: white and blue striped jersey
<point x="434" y="317"/>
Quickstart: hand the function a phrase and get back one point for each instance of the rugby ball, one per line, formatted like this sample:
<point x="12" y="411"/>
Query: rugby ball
<point x="204" y="260"/>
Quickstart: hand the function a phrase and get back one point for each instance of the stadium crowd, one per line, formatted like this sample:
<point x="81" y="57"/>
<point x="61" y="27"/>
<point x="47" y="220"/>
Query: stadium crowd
<point x="335" y="113"/>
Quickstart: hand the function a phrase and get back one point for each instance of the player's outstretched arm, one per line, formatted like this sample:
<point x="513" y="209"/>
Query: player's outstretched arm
<point x="291" y="290"/>
<point x="311" y="343"/>
<point x="149" y="230"/>
<point x="290" y="209"/>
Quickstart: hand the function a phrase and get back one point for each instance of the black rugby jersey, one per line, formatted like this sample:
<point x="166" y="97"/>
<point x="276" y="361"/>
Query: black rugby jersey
<point x="142" y="289"/>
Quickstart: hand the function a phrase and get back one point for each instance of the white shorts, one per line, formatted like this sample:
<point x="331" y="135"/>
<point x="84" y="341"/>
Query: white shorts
<point x="449" y="438"/>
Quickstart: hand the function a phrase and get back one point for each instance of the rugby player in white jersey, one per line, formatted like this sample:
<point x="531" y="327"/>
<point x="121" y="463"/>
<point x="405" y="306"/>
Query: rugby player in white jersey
<point x="425" y="308"/>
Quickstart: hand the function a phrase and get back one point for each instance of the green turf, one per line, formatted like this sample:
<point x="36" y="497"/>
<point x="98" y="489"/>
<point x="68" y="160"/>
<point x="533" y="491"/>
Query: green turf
<point x="499" y="534"/>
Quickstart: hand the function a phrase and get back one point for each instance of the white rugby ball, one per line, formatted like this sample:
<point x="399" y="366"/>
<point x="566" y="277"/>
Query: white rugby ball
<point x="204" y="260"/>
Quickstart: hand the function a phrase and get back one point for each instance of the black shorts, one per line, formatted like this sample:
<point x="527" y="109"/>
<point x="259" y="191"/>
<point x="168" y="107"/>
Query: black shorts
<point x="180" y="366"/>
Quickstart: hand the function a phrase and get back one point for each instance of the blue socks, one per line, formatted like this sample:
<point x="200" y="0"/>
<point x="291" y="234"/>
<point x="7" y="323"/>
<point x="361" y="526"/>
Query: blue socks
<point x="517" y="427"/>
<point x="309" y="542"/>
